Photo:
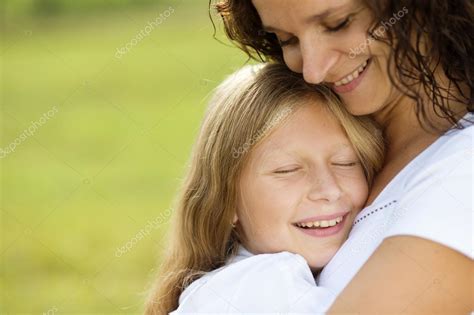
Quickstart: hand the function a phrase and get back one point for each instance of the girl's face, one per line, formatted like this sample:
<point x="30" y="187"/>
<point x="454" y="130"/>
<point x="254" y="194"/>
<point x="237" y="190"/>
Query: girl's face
<point x="327" y="42"/>
<point x="301" y="188"/>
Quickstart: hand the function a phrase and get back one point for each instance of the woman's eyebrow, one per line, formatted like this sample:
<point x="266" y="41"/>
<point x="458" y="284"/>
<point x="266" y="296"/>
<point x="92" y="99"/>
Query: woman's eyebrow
<point x="309" y="20"/>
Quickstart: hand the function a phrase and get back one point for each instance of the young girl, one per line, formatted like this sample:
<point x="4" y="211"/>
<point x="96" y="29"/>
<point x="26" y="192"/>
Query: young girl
<point x="278" y="173"/>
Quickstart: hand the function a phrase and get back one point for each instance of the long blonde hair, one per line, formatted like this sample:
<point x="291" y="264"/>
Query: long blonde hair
<point x="202" y="237"/>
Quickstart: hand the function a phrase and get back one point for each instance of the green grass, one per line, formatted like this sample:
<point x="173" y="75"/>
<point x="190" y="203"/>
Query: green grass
<point x="108" y="161"/>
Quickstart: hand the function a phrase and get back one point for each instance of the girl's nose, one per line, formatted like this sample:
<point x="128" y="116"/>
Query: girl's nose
<point x="324" y="186"/>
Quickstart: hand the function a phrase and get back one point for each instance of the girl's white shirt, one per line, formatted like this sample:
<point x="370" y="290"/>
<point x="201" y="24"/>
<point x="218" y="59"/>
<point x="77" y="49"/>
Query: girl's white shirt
<point x="430" y="198"/>
<point x="265" y="283"/>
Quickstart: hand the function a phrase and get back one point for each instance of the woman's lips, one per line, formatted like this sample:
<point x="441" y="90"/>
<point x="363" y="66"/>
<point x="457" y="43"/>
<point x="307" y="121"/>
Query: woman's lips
<point x="354" y="83"/>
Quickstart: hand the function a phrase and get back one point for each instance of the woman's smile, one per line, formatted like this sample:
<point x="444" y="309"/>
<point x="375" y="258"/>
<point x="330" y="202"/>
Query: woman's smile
<point x="351" y="81"/>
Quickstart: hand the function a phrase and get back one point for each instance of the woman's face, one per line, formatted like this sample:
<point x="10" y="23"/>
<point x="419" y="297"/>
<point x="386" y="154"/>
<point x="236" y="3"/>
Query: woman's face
<point x="327" y="42"/>
<point x="301" y="188"/>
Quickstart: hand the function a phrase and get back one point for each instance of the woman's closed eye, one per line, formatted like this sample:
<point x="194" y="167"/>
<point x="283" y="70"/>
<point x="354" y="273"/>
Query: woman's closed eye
<point x="330" y="29"/>
<point x="340" y="25"/>
<point x="292" y="40"/>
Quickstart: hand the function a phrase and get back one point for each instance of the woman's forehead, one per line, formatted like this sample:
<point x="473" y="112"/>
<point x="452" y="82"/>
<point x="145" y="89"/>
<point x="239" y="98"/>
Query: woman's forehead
<point x="276" y="13"/>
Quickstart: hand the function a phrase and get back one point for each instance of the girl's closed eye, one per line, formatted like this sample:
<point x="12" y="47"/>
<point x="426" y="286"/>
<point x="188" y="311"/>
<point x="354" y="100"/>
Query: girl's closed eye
<point x="287" y="170"/>
<point x="346" y="164"/>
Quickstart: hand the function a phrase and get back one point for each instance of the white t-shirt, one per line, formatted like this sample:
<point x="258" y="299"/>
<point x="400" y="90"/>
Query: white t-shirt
<point x="266" y="283"/>
<point x="430" y="198"/>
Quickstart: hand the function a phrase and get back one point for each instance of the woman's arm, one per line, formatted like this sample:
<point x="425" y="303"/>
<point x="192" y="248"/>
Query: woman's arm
<point x="408" y="274"/>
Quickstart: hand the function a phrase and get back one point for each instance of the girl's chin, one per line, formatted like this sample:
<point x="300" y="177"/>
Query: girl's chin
<point x="318" y="263"/>
<point x="317" y="266"/>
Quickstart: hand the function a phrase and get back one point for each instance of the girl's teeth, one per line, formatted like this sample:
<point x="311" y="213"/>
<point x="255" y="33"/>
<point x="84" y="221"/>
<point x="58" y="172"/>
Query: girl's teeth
<point x="322" y="223"/>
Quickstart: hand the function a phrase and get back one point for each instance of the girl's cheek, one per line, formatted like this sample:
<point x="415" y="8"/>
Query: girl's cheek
<point x="360" y="193"/>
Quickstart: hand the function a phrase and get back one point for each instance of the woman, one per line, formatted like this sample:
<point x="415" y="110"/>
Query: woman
<point x="408" y="65"/>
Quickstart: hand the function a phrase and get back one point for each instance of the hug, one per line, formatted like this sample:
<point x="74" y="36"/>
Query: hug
<point x="335" y="175"/>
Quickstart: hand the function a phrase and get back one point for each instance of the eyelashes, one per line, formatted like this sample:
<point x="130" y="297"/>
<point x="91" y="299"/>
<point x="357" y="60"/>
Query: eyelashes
<point x="342" y="25"/>
<point x="295" y="169"/>
<point x="287" y="171"/>
<point x="287" y="42"/>
<point x="346" y="164"/>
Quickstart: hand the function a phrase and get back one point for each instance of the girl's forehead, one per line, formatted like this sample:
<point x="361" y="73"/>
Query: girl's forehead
<point x="308" y="129"/>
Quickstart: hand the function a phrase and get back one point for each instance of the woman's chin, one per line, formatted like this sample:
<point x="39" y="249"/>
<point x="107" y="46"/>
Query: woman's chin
<point x="361" y="107"/>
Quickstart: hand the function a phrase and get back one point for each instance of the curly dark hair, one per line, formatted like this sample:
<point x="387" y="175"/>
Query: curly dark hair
<point x="448" y="26"/>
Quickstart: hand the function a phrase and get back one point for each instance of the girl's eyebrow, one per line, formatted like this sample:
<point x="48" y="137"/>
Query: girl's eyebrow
<point x="309" y="20"/>
<point x="343" y="147"/>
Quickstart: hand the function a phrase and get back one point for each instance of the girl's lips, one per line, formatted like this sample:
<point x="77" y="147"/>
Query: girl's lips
<point x="354" y="83"/>
<point x="325" y="232"/>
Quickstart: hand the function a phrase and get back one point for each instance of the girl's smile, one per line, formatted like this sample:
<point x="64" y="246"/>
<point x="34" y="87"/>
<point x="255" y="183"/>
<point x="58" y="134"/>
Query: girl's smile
<point x="323" y="226"/>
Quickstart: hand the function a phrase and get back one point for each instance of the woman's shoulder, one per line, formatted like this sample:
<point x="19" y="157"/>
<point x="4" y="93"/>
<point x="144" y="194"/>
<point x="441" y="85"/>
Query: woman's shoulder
<point x="457" y="140"/>
<point x="435" y="201"/>
<point x="453" y="150"/>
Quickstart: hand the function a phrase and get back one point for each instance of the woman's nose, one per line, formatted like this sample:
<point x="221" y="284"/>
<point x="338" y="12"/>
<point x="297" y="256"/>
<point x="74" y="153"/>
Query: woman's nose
<point x="324" y="186"/>
<point x="317" y="59"/>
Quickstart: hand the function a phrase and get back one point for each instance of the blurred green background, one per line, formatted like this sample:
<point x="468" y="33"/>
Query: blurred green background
<point x="108" y="161"/>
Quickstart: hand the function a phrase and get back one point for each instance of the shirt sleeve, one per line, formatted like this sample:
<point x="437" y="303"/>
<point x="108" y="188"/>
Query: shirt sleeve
<point x="437" y="203"/>
<point x="266" y="283"/>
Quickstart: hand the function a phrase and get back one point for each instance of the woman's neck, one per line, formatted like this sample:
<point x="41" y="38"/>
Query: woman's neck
<point x="402" y="129"/>
<point x="405" y="137"/>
